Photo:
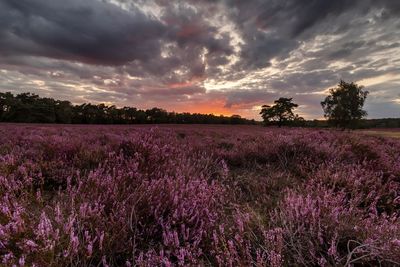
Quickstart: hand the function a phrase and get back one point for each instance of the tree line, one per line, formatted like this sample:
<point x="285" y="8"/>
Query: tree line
<point x="342" y="108"/>
<point x="30" y="108"/>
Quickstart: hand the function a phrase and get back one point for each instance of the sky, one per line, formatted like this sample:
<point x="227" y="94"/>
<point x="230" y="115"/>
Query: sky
<point x="222" y="57"/>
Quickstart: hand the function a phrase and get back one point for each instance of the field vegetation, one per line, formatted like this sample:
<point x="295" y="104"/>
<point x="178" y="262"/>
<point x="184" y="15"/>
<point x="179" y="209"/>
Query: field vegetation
<point x="198" y="196"/>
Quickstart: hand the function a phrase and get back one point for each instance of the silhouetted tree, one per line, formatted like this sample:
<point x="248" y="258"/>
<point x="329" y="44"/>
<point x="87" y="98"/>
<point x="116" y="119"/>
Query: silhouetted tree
<point x="281" y="113"/>
<point x="27" y="107"/>
<point x="7" y="103"/>
<point x="129" y="114"/>
<point x="63" y="110"/>
<point x="236" y="119"/>
<point x="298" y="121"/>
<point x="343" y="107"/>
<point x="157" y="115"/>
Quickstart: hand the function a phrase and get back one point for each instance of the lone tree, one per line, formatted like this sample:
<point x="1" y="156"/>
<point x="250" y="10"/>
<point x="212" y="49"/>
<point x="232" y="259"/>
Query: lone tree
<point x="343" y="107"/>
<point x="281" y="113"/>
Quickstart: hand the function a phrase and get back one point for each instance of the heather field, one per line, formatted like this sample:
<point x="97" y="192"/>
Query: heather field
<point x="197" y="196"/>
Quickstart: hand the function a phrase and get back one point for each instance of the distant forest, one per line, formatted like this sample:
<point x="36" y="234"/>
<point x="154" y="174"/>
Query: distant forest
<point x="30" y="108"/>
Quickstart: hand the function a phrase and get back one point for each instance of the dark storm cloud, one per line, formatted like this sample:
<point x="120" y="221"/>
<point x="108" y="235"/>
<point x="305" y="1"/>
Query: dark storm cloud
<point x="87" y="31"/>
<point x="188" y="28"/>
<point x="274" y="28"/>
<point x="346" y="50"/>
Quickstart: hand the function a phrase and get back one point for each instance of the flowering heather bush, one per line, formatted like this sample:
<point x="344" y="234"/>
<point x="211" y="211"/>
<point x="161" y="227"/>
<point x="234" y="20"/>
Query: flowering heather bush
<point x="197" y="196"/>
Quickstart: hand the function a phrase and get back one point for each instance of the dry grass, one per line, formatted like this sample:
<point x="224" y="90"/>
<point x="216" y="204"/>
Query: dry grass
<point x="384" y="133"/>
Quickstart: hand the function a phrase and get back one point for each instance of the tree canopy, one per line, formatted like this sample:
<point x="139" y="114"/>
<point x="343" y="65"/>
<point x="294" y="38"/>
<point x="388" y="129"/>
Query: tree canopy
<point x="343" y="107"/>
<point x="27" y="107"/>
<point x="281" y="113"/>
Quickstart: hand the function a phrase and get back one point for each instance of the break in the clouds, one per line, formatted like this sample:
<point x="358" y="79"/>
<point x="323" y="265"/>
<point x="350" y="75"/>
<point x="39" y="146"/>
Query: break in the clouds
<point x="223" y="57"/>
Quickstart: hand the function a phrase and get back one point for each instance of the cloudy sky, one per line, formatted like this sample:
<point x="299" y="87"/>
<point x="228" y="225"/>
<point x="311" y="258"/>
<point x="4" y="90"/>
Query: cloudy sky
<point x="222" y="57"/>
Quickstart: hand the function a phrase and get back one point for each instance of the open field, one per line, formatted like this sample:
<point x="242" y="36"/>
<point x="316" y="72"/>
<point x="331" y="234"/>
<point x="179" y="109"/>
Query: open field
<point x="394" y="133"/>
<point x="197" y="195"/>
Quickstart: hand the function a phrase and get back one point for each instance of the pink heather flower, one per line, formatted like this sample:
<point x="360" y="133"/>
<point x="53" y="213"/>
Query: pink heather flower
<point x="104" y="261"/>
<point x="31" y="245"/>
<point x="167" y="262"/>
<point x="90" y="249"/>
<point x="74" y="242"/>
<point x="69" y="224"/>
<point x="322" y="262"/>
<point x="4" y="209"/>
<point x="240" y="224"/>
<point x="7" y="258"/>
<point x="44" y="228"/>
<point x="332" y="249"/>
<point x="101" y="240"/>
<point x="21" y="261"/>
<point x="275" y="259"/>
<point x="83" y="209"/>
<point x="58" y="213"/>
<point x="2" y="233"/>
<point x="181" y="256"/>
<point x="39" y="196"/>
<point x="225" y="169"/>
<point x="396" y="242"/>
